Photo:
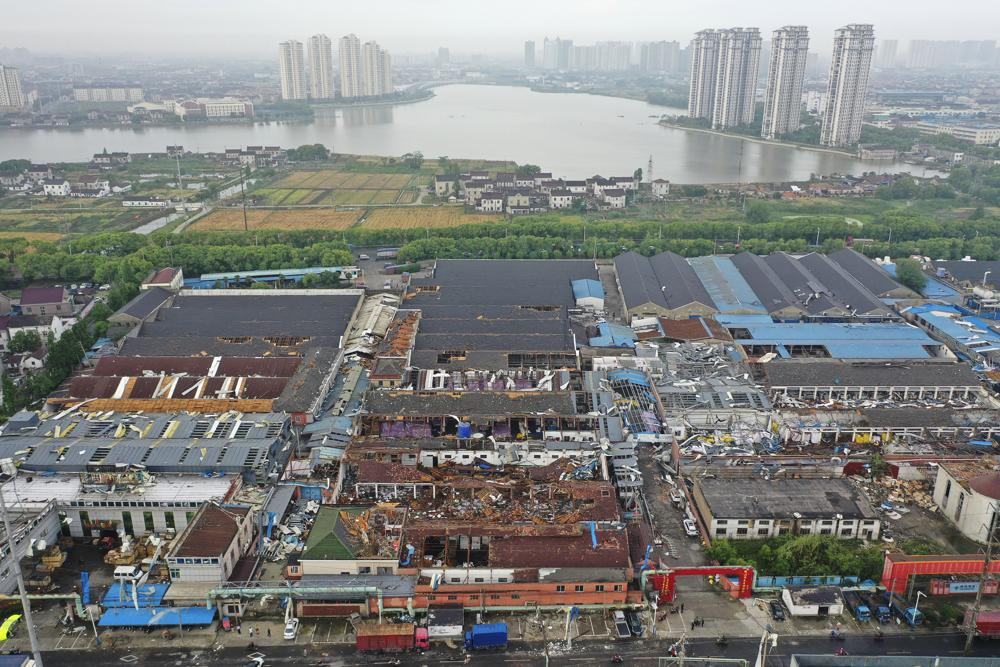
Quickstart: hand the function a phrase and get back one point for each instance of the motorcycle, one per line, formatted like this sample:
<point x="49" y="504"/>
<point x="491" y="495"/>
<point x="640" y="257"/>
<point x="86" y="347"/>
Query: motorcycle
<point x="617" y="660"/>
<point x="841" y="651"/>
<point x="721" y="641"/>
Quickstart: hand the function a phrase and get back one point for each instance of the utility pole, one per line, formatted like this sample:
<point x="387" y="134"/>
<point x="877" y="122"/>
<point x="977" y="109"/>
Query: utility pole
<point x="984" y="575"/>
<point x="243" y="192"/>
<point x="180" y="183"/>
<point x="16" y="564"/>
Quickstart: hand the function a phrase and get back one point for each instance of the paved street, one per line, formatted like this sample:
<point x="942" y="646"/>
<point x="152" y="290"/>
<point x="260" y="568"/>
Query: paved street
<point x="643" y="653"/>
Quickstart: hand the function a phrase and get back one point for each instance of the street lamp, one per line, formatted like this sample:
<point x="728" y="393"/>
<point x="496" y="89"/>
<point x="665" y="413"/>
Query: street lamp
<point x="984" y="277"/>
<point x="16" y="564"/>
<point x="916" y="605"/>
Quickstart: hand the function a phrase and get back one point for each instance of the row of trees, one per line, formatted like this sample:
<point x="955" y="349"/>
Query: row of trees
<point x="791" y="555"/>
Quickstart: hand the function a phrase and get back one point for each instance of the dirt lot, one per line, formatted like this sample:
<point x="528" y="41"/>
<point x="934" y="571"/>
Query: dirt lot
<point x="231" y="219"/>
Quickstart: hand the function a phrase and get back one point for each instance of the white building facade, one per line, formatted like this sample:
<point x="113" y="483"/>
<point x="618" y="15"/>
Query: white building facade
<point x="786" y="73"/>
<point x="291" y="70"/>
<point x="847" y="88"/>
<point x="321" y="68"/>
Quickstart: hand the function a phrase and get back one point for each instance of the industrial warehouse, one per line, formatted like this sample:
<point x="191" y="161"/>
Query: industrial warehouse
<point x="497" y="439"/>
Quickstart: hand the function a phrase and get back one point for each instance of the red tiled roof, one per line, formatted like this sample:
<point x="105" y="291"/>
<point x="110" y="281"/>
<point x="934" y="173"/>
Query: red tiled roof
<point x="212" y="532"/>
<point x="31" y="296"/>
<point x="695" y="328"/>
<point x="163" y="276"/>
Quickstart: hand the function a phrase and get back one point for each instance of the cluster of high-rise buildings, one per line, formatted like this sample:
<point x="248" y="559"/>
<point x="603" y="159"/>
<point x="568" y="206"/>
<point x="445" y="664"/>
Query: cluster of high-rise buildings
<point x="608" y="56"/>
<point x="365" y="69"/>
<point x="724" y="66"/>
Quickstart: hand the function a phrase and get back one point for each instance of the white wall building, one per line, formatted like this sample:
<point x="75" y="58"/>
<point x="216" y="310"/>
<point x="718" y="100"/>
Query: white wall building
<point x="755" y="509"/>
<point x="211" y="545"/>
<point x="704" y="54"/>
<point x="351" y="80"/>
<point x="376" y="67"/>
<point x="291" y="70"/>
<point x="131" y="94"/>
<point x="786" y="72"/>
<point x="12" y="97"/>
<point x="847" y="86"/>
<point x="736" y="79"/>
<point x="321" y="68"/>
<point x="56" y="187"/>
<point x="968" y="495"/>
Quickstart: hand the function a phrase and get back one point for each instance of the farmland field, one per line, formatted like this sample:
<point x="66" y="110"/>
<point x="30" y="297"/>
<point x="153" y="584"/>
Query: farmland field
<point x="31" y="236"/>
<point x="66" y="221"/>
<point x="330" y="187"/>
<point x="388" y="218"/>
<point x="232" y="219"/>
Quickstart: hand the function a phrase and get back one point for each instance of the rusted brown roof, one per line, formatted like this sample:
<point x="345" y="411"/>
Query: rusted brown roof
<point x="211" y="533"/>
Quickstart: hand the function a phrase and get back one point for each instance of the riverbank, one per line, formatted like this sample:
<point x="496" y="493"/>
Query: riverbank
<point x="428" y="93"/>
<point x="760" y="140"/>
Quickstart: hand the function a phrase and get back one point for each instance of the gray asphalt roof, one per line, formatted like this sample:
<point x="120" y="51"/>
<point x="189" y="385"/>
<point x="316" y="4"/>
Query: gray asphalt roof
<point x="253" y="315"/>
<point x="803" y="284"/>
<point x="845" y="288"/>
<point x="781" y="498"/>
<point x="525" y="282"/>
<point x="769" y="288"/>
<point x="835" y="373"/>
<point x="145" y="303"/>
<point x="866" y="272"/>
<point x="666" y="280"/>
<point x="973" y="271"/>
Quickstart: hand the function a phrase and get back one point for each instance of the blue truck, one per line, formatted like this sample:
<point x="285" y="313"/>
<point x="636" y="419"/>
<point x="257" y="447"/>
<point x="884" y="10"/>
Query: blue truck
<point x="486" y="636"/>
<point x="879" y="608"/>
<point x="858" y="605"/>
<point x="909" y="615"/>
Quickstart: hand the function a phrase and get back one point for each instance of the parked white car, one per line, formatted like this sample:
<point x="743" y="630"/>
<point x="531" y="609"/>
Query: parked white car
<point x="690" y="529"/>
<point x="291" y="628"/>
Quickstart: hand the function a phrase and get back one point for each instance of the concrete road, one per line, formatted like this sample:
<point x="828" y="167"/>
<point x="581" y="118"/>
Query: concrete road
<point x="635" y="652"/>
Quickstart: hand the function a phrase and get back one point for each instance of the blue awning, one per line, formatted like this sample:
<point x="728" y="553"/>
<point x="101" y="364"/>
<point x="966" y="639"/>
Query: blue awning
<point x="129" y="617"/>
<point x="150" y="595"/>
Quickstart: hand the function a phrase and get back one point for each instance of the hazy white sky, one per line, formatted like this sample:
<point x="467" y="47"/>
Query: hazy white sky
<point x="253" y="27"/>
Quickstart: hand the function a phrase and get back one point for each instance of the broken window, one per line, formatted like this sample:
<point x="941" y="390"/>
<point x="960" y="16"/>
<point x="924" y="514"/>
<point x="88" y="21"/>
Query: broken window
<point x="447" y="356"/>
<point x="239" y="340"/>
<point x="287" y="341"/>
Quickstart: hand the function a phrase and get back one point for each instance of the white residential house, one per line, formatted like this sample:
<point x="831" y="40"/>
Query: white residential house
<point x="560" y="199"/>
<point x="613" y="197"/>
<point x="541" y="177"/>
<point x="444" y="185"/>
<point x="661" y="187"/>
<point x="576" y="187"/>
<point x="56" y="187"/>
<point x="473" y="191"/>
<point x="490" y="203"/>
<point x="525" y="181"/>
<point x="624" y="182"/>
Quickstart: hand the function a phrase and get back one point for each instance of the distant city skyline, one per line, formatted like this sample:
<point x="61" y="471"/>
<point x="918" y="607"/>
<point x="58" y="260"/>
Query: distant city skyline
<point x="246" y="28"/>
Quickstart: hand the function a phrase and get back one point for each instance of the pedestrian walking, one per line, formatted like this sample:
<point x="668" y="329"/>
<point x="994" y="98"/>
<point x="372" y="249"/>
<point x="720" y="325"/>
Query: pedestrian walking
<point x="682" y="607"/>
<point x="239" y="629"/>
<point x="251" y="631"/>
<point x="692" y="625"/>
<point x="269" y="632"/>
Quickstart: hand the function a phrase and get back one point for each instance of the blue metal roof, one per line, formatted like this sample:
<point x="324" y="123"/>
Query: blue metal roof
<point x="868" y="340"/>
<point x="150" y="595"/>
<point x="933" y="289"/>
<point x="613" y="335"/>
<point x="585" y="287"/>
<point x="726" y="285"/>
<point x="945" y="318"/>
<point x="129" y="617"/>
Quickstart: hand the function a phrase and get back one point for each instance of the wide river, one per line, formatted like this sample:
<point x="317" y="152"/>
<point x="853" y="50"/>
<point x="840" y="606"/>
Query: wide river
<point x="571" y="135"/>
